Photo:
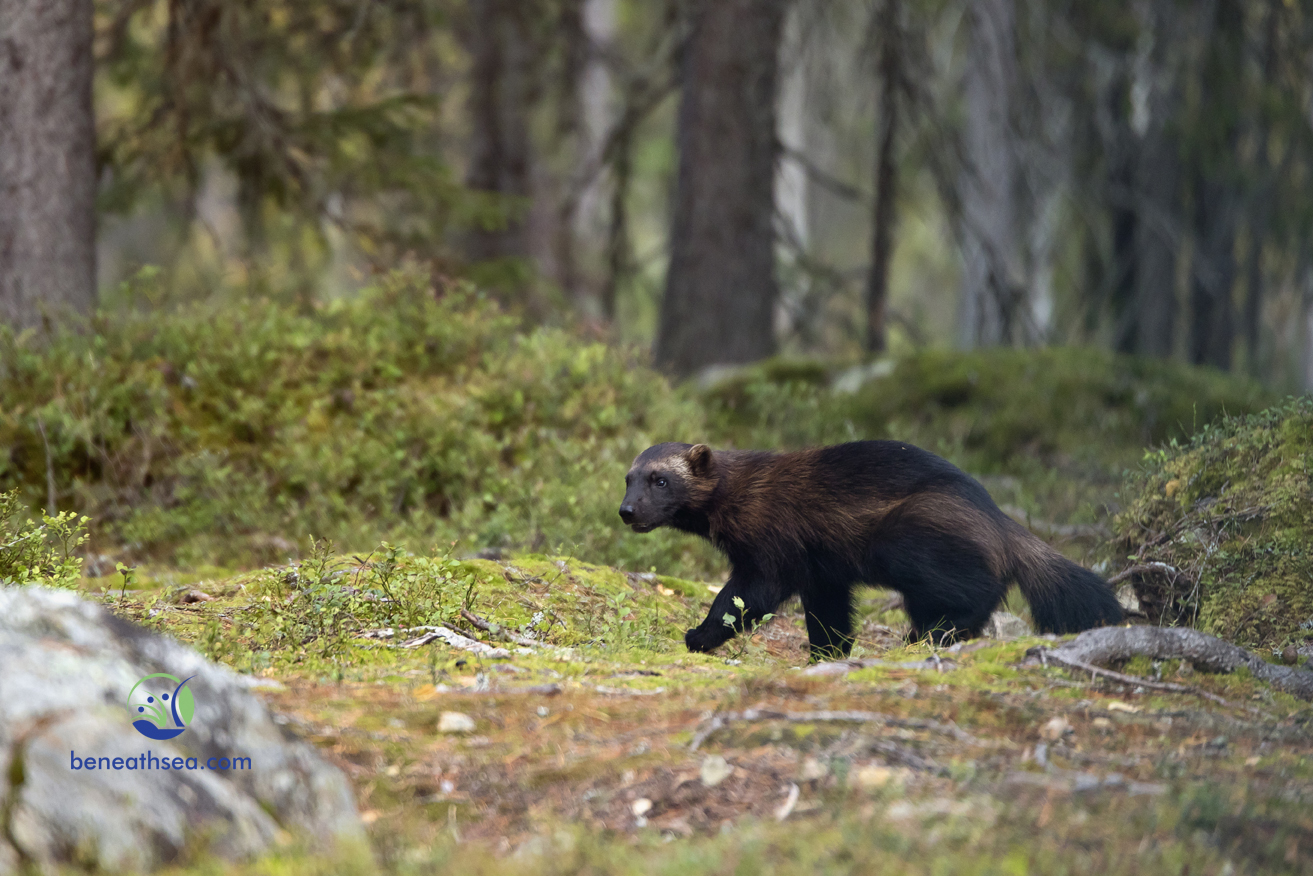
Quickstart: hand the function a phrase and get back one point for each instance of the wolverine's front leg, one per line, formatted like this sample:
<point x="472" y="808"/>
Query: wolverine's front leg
<point x="759" y="599"/>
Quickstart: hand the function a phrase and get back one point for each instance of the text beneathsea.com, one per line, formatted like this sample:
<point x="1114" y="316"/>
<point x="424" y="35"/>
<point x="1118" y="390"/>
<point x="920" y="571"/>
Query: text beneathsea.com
<point x="149" y="761"/>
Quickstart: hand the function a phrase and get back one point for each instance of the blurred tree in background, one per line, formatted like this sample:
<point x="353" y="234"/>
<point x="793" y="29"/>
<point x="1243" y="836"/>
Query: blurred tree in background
<point x="723" y="180"/>
<point x="719" y="304"/>
<point x="47" y="161"/>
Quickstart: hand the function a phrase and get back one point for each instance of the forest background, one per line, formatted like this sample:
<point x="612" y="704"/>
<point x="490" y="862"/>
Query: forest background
<point x="1130" y="175"/>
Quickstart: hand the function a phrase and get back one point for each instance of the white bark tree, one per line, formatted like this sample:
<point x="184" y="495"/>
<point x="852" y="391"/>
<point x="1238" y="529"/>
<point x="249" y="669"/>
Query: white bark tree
<point x="992" y="305"/>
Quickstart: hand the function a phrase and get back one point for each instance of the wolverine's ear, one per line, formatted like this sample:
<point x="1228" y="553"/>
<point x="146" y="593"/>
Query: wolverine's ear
<point x="699" y="459"/>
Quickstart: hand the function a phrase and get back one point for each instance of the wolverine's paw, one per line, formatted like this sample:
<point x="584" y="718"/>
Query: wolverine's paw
<point x="703" y="642"/>
<point x="826" y="653"/>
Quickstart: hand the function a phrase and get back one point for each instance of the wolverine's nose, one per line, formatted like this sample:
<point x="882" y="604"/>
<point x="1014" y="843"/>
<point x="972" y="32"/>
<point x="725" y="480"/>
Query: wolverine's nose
<point x="627" y="513"/>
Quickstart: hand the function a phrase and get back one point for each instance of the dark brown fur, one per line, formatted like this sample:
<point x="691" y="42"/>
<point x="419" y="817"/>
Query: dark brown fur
<point x="817" y="522"/>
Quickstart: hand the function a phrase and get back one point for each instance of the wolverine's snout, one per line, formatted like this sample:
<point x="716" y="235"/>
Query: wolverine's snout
<point x="627" y="514"/>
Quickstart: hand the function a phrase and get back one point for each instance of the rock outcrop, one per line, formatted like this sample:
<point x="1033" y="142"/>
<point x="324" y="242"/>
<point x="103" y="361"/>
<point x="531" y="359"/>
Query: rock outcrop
<point x="79" y="783"/>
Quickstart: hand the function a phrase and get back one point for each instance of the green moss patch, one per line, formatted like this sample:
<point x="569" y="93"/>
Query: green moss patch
<point x="1220" y="529"/>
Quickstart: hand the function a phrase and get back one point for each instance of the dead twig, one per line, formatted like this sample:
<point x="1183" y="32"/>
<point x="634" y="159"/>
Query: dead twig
<point x="434" y="633"/>
<point x="843" y="667"/>
<point x="717" y="721"/>
<point x="1135" y="680"/>
<point x="826" y="716"/>
<point x="1142" y="568"/>
<point x="497" y="629"/>
<point x="789" y="802"/>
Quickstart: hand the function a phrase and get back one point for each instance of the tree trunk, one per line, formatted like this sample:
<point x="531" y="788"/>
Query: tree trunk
<point x="587" y="224"/>
<point x="1216" y="199"/>
<point x="992" y="304"/>
<point x="47" y="161"/>
<point x="618" y="256"/>
<point x="882" y="221"/>
<point x="721" y="289"/>
<point x="570" y="136"/>
<point x="1121" y="149"/>
<point x="500" y="73"/>
<point x="1260" y="202"/>
<point x="1151" y="234"/>
<point x="1157" y="204"/>
<point x="1157" y="241"/>
<point x="1306" y="371"/>
<point x="1212" y="275"/>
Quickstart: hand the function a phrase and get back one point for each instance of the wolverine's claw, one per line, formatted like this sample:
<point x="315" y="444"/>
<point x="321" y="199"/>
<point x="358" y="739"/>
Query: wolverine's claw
<point x="699" y="642"/>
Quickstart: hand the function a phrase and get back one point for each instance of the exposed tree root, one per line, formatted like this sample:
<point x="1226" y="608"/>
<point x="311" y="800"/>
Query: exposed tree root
<point x="1202" y="651"/>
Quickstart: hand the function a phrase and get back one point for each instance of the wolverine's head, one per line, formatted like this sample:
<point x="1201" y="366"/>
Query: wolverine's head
<point x="664" y="480"/>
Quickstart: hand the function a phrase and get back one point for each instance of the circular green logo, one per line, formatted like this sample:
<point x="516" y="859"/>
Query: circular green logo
<point x="161" y="705"/>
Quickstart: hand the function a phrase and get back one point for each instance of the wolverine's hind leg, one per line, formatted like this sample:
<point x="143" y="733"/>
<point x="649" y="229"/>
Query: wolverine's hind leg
<point x="829" y="622"/>
<point x="949" y="591"/>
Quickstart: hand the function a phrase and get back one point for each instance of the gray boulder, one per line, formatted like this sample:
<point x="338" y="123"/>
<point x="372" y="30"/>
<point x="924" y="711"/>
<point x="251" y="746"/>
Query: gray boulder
<point x="79" y="783"/>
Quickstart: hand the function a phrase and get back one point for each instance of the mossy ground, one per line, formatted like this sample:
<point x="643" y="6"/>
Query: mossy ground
<point x="1229" y="514"/>
<point x="950" y="776"/>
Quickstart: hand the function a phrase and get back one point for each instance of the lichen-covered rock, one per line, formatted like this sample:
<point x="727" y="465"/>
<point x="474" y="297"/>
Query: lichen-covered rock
<point x="81" y="784"/>
<point x="1220" y="531"/>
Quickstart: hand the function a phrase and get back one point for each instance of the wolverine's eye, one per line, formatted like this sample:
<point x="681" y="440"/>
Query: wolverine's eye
<point x="660" y="482"/>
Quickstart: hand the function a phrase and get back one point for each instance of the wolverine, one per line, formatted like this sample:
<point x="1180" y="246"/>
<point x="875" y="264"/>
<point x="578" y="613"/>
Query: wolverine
<point x="816" y="523"/>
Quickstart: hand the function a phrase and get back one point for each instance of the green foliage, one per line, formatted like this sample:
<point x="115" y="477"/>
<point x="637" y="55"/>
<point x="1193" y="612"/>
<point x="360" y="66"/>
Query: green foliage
<point x="421" y="415"/>
<point x="43" y="552"/>
<point x="737" y="648"/>
<point x="403" y="413"/>
<point x="1229" y="516"/>
<point x="320" y="112"/>
<point x="315" y="609"/>
<point x="309" y="616"/>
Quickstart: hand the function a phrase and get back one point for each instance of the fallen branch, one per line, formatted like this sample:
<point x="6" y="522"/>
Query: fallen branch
<point x="1067" y="782"/>
<point x="892" y="752"/>
<point x="431" y="634"/>
<point x="497" y="629"/>
<point x="627" y="692"/>
<point x="819" y="717"/>
<point x="1202" y="651"/>
<point x="717" y="721"/>
<point x="843" y="667"/>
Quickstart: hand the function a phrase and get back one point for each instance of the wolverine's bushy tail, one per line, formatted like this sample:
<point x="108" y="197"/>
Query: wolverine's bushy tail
<point x="1064" y="597"/>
